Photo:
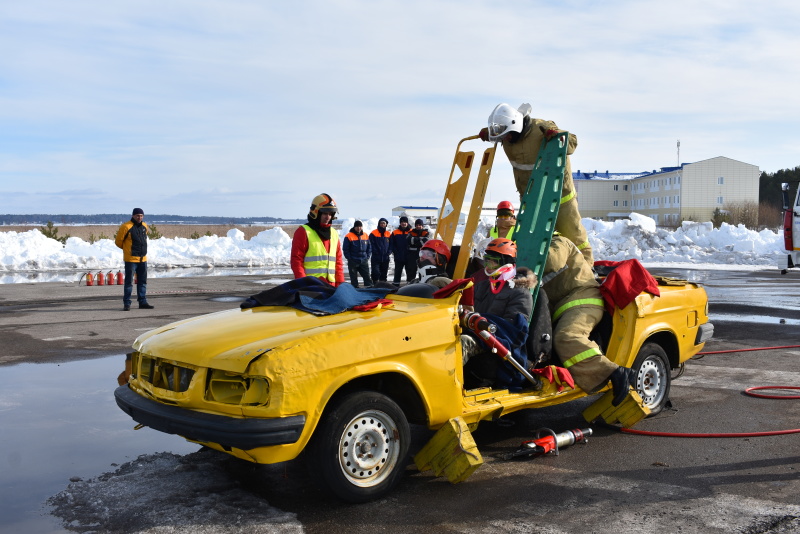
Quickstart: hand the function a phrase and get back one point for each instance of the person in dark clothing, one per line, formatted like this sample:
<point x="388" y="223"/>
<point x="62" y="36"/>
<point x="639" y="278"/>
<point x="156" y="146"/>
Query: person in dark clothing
<point x="356" y="248"/>
<point x="416" y="238"/>
<point x="398" y="244"/>
<point x="132" y="239"/>
<point x="379" y="242"/>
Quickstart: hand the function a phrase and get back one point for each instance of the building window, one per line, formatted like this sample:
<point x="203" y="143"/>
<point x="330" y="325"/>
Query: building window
<point x="719" y="201"/>
<point x="625" y="203"/>
<point x="625" y="187"/>
<point x="616" y="187"/>
<point x="721" y="180"/>
<point x="616" y="203"/>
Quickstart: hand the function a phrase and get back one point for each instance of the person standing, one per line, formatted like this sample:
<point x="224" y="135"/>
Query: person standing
<point x="316" y="250"/>
<point x="356" y="248"/>
<point x="416" y="238"/>
<point x="504" y="222"/>
<point x="521" y="136"/>
<point x="379" y="243"/>
<point x="132" y="239"/>
<point x="398" y="244"/>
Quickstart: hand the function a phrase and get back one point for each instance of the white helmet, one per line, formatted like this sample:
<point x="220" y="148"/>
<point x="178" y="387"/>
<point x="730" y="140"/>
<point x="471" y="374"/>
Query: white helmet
<point x="504" y="119"/>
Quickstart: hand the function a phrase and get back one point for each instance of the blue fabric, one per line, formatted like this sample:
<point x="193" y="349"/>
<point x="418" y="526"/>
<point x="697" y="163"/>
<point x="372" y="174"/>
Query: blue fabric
<point x="512" y="336"/>
<point x="344" y="298"/>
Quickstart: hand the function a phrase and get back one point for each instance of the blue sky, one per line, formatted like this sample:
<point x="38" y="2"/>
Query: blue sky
<point x="251" y="108"/>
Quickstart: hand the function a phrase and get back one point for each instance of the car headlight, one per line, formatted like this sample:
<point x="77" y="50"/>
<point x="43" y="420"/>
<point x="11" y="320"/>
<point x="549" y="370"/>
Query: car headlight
<point x="232" y="388"/>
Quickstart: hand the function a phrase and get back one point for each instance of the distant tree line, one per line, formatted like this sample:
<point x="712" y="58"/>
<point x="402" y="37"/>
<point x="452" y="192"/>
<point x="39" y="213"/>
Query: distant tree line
<point x="770" y="196"/>
<point x="117" y="218"/>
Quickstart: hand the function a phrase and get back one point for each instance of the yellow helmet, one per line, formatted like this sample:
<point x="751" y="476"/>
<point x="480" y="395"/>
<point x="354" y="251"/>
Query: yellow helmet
<point x="323" y="203"/>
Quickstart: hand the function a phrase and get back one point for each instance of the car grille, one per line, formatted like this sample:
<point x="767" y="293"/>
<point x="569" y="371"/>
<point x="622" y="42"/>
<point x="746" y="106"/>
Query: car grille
<point x="163" y="374"/>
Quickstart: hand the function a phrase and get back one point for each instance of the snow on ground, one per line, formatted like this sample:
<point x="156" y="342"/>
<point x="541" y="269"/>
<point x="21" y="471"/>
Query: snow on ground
<point x="691" y="245"/>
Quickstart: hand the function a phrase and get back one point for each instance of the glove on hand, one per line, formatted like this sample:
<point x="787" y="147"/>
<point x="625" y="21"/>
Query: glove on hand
<point x="548" y="133"/>
<point x="484" y="134"/>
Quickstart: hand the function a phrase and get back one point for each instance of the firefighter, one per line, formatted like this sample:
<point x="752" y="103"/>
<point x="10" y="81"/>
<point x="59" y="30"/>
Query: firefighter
<point x="576" y="307"/>
<point x="504" y="222"/>
<point x="316" y="250"/>
<point x="503" y="290"/>
<point x="356" y="249"/>
<point x="432" y="263"/>
<point x="522" y="136"/>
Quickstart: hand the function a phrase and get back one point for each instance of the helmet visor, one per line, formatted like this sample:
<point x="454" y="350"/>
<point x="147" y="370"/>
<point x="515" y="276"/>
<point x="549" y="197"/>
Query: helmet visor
<point x="496" y="129"/>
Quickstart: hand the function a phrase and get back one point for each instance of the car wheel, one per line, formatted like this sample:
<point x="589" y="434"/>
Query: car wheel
<point x="653" y="377"/>
<point x="360" y="447"/>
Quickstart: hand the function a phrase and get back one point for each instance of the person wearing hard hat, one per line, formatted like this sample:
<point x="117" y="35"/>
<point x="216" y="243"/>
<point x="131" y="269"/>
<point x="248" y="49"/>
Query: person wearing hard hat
<point x="432" y="263"/>
<point x="502" y="295"/>
<point x="504" y="222"/>
<point x="521" y="136"/>
<point x="316" y="249"/>
<point x="576" y="307"/>
<point x="132" y="239"/>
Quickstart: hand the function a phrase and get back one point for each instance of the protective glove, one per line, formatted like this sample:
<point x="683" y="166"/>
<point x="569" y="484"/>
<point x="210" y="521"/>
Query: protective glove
<point x="548" y="133"/>
<point x="484" y="134"/>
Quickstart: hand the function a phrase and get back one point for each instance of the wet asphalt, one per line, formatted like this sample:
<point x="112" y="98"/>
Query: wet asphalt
<point x="615" y="483"/>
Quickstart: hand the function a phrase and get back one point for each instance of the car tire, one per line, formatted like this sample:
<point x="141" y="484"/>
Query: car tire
<point x="360" y="448"/>
<point x="653" y="376"/>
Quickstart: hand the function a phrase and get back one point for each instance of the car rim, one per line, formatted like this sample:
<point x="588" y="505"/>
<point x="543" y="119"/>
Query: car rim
<point x="369" y="449"/>
<point x="651" y="380"/>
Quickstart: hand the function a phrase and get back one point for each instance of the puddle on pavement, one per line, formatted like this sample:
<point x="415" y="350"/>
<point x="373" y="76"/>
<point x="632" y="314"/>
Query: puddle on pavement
<point x="761" y="319"/>
<point x="60" y="421"/>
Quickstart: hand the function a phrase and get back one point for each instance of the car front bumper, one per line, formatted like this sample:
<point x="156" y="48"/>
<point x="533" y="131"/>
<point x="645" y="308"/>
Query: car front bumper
<point x="227" y="431"/>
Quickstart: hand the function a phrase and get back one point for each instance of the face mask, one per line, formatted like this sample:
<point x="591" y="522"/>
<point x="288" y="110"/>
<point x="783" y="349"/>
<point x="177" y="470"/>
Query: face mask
<point x="500" y="276"/>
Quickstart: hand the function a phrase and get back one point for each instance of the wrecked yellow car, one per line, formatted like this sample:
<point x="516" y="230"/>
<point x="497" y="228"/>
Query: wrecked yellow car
<point x="267" y="383"/>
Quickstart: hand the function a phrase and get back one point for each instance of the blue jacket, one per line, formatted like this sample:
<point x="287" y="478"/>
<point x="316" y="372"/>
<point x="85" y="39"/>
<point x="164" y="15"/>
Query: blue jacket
<point x="379" y="241"/>
<point x="398" y="244"/>
<point x="355" y="246"/>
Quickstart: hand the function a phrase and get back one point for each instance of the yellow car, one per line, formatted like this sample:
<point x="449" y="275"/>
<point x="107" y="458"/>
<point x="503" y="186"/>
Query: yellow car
<point x="265" y="383"/>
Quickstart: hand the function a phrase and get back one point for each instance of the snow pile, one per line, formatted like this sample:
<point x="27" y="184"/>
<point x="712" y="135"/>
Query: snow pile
<point x="637" y="237"/>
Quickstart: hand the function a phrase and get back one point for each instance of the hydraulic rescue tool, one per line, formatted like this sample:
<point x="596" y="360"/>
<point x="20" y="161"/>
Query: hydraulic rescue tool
<point x="481" y="327"/>
<point x="551" y="442"/>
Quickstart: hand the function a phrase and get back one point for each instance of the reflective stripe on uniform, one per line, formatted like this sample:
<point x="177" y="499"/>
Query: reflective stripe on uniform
<point x="569" y="196"/>
<point x="318" y="261"/>
<point x="585" y="355"/>
<point x="583" y="245"/>
<point x="494" y="233"/>
<point x="578" y="302"/>
<point x="521" y="166"/>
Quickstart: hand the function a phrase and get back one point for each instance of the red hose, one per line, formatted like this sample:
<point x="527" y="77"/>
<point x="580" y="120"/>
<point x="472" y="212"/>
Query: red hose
<point x="748" y="391"/>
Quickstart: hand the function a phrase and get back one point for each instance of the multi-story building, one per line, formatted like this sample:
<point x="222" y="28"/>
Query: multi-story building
<point x="670" y="195"/>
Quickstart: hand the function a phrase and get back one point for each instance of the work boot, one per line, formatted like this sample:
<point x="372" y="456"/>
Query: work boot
<point x="621" y="381"/>
<point x="146" y="306"/>
<point x="127" y="307"/>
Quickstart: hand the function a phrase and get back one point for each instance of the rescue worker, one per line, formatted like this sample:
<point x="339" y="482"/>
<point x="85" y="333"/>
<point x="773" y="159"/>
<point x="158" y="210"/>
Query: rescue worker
<point x="504" y="222"/>
<point x="502" y="290"/>
<point x="316" y="250"/>
<point x="576" y="306"/>
<point x="521" y="136"/>
<point x="132" y="239"/>
<point x="398" y="243"/>
<point x="416" y="238"/>
<point x="379" y="243"/>
<point x="357" y="250"/>
<point x="432" y="263"/>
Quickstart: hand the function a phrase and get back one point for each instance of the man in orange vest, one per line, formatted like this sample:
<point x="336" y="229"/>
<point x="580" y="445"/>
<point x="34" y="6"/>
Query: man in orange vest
<point x="356" y="248"/>
<point x="316" y="250"/>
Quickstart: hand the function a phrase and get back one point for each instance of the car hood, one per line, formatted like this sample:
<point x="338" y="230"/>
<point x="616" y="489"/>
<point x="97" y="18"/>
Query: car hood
<point x="230" y="340"/>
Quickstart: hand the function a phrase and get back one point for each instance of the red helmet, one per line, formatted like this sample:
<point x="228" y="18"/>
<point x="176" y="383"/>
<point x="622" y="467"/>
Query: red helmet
<point x="439" y="247"/>
<point x="502" y="247"/>
<point x="505" y="205"/>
